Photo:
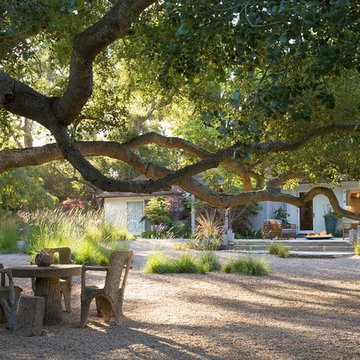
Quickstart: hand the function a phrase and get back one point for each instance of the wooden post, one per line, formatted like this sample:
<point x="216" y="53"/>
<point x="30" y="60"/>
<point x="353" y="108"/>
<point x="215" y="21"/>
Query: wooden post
<point x="29" y="321"/>
<point x="193" y="214"/>
<point x="226" y="228"/>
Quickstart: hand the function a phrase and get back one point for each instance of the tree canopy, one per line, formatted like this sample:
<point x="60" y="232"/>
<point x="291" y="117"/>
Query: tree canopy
<point x="266" y="91"/>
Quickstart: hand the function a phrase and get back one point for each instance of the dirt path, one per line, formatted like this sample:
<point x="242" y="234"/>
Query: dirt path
<point x="307" y="309"/>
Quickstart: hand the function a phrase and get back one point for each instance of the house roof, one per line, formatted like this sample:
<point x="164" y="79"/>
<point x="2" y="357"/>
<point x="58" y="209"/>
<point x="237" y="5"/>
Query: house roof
<point x="174" y="191"/>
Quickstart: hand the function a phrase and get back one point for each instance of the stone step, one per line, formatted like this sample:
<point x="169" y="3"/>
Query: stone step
<point x="291" y="242"/>
<point x="319" y="255"/>
<point x="298" y="245"/>
<point x="300" y="254"/>
<point x="294" y="248"/>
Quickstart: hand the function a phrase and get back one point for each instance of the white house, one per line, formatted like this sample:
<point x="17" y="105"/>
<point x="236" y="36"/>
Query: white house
<point x="310" y="218"/>
<point x="126" y="209"/>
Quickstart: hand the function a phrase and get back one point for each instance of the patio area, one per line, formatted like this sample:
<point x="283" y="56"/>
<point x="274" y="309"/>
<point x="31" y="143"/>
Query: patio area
<point x="306" y="309"/>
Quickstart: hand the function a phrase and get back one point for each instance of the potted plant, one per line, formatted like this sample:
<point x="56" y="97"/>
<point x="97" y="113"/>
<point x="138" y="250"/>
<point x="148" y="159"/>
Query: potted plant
<point x="45" y="257"/>
<point x="281" y="214"/>
<point x="331" y="218"/>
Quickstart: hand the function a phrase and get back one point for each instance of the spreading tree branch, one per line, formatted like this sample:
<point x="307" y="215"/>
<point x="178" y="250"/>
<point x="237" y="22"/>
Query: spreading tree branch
<point x="86" y="46"/>
<point x="58" y="113"/>
<point x="178" y="143"/>
<point x="280" y="146"/>
<point x="36" y="156"/>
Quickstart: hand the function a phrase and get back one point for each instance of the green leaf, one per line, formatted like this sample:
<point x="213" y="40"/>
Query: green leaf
<point x="283" y="38"/>
<point x="181" y="30"/>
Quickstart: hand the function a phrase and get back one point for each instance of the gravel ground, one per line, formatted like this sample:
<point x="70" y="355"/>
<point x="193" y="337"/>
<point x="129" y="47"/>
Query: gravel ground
<point x="306" y="309"/>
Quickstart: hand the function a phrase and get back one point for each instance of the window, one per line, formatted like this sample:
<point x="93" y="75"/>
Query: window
<point x="353" y="200"/>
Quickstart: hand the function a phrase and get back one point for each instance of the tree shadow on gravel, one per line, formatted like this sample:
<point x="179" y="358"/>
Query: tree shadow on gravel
<point x="128" y="340"/>
<point x="285" y="283"/>
<point x="142" y="340"/>
<point x="309" y="316"/>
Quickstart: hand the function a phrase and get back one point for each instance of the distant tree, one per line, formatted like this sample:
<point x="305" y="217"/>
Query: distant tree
<point x="155" y="212"/>
<point x="72" y="205"/>
<point x="24" y="188"/>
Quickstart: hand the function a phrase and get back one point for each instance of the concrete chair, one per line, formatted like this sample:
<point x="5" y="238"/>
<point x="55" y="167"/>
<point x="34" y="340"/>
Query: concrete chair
<point x="65" y="283"/>
<point x="9" y="298"/>
<point x="109" y="297"/>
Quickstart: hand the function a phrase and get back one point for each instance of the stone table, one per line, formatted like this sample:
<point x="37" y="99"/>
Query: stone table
<point x="47" y="284"/>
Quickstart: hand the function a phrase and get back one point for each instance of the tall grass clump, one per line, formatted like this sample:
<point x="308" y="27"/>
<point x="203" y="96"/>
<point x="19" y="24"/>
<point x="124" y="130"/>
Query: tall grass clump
<point x="248" y="265"/>
<point x="210" y="260"/>
<point x="110" y="233"/>
<point x="188" y="264"/>
<point x="278" y="250"/>
<point x="209" y="226"/>
<point x="160" y="263"/>
<point x="9" y="234"/>
<point x="90" y="241"/>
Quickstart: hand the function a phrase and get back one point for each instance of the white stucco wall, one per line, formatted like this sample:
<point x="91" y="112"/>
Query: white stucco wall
<point x="320" y="206"/>
<point x="267" y="212"/>
<point x="116" y="211"/>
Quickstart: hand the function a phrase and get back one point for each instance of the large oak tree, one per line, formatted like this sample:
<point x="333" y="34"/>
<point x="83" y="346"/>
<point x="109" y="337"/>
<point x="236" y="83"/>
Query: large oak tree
<point x="270" y="86"/>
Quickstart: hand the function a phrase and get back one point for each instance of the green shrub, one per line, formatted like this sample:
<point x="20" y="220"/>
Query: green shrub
<point x="155" y="212"/>
<point x="181" y="230"/>
<point x="227" y="267"/>
<point x="249" y="234"/>
<point x="247" y="265"/>
<point x="146" y="234"/>
<point x="187" y="264"/>
<point x="178" y="231"/>
<point x="210" y="260"/>
<point x="158" y="233"/>
<point x="9" y="234"/>
<point x="273" y="248"/>
<point x="357" y="249"/>
<point x="160" y="263"/>
<point x="278" y="249"/>
<point x="281" y="214"/>
<point x="283" y="252"/>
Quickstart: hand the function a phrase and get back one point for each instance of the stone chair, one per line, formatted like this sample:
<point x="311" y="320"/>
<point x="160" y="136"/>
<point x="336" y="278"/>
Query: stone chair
<point x="65" y="283"/>
<point x="9" y="298"/>
<point x="109" y="296"/>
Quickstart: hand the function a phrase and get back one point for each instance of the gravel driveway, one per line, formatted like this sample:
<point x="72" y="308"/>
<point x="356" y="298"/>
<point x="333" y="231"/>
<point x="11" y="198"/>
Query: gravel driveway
<point x="306" y="309"/>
